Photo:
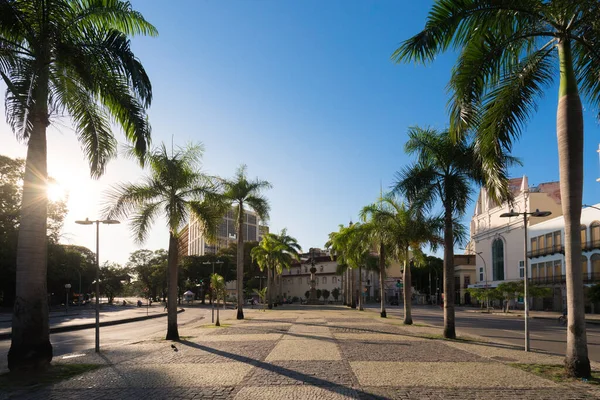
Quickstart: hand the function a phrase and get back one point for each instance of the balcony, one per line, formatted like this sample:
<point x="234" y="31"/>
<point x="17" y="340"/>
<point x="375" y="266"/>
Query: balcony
<point x="559" y="279"/>
<point x="591" y="245"/>
<point x="547" y="251"/>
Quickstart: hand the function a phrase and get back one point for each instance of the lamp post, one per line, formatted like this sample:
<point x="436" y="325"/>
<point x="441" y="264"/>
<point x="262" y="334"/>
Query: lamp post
<point x="67" y="287"/>
<point x="536" y="213"/>
<point x="97" y="222"/>
<point x="212" y="302"/>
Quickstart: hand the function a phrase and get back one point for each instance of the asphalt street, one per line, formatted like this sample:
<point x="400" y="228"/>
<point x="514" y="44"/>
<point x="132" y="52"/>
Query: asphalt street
<point x="544" y="334"/>
<point x="77" y="341"/>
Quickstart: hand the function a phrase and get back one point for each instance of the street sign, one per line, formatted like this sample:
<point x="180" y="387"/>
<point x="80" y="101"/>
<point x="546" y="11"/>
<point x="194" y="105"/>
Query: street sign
<point x="398" y="284"/>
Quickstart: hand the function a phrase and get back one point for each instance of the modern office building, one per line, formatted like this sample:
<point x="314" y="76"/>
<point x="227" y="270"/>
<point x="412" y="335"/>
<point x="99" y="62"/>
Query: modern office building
<point x="227" y="233"/>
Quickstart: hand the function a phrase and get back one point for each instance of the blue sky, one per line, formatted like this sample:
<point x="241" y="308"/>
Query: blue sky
<point x="305" y="94"/>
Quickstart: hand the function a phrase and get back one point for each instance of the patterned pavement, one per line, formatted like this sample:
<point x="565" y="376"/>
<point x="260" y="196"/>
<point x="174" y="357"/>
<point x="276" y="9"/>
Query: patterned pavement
<point x="308" y="354"/>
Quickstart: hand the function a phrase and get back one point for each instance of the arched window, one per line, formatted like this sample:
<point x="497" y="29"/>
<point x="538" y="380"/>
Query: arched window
<point x="584" y="268"/>
<point x="498" y="259"/>
<point x="596" y="266"/>
<point x="324" y="279"/>
<point x="583" y="236"/>
<point x="595" y="233"/>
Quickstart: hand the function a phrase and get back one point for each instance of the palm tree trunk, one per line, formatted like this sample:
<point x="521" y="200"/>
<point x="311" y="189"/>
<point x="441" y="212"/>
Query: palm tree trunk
<point x="269" y="299"/>
<point x="172" y="332"/>
<point x="449" y="322"/>
<point x="360" y="290"/>
<point x="30" y="338"/>
<point x="569" y="121"/>
<point x="240" y="262"/>
<point x="217" y="323"/>
<point x="353" y="289"/>
<point x="383" y="313"/>
<point x="406" y="279"/>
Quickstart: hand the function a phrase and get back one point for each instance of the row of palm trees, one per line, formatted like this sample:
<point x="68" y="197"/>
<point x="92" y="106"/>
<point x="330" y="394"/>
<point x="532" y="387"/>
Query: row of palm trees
<point x="176" y="189"/>
<point x="509" y="53"/>
<point x="274" y="253"/>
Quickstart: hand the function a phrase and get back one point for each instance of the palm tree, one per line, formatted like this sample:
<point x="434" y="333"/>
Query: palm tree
<point x="443" y="171"/>
<point x="240" y="192"/>
<point x="273" y="254"/>
<point x="403" y="230"/>
<point x="64" y="57"/>
<point x="217" y="284"/>
<point x="509" y="54"/>
<point x="174" y="188"/>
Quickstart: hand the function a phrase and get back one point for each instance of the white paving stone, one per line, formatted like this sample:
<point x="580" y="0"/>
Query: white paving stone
<point x="294" y="393"/>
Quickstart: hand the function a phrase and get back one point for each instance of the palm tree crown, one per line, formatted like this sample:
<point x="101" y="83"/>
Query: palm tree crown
<point x="240" y="192"/>
<point x="175" y="189"/>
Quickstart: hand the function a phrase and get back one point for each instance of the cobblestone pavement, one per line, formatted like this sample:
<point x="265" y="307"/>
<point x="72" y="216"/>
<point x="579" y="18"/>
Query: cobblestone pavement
<point x="307" y="353"/>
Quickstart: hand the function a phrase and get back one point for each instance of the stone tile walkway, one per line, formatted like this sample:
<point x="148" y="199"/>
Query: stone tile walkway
<point x="309" y="354"/>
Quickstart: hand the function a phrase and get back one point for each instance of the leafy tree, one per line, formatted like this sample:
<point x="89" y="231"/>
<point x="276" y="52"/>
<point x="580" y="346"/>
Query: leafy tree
<point x="319" y="293"/>
<point x="12" y="173"/>
<point x="175" y="187"/>
<point x="510" y="52"/>
<point x="335" y="293"/>
<point x="217" y="284"/>
<point x="64" y="57"/>
<point x="251" y="268"/>
<point x="325" y="293"/>
<point x="112" y="279"/>
<point x="146" y="265"/>
<point x="239" y="192"/>
<point x="510" y="290"/>
<point x="262" y="294"/>
<point x="196" y="272"/>
<point x="307" y="294"/>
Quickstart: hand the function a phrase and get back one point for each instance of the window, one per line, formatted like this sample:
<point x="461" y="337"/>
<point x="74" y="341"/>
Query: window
<point x="534" y="243"/>
<point x="557" y="268"/>
<point x="521" y="269"/>
<point x="584" y="268"/>
<point x="481" y="274"/>
<point x="467" y="281"/>
<point x="498" y="259"/>
<point x="534" y="271"/>
<point x="324" y="279"/>
<point x="596" y="265"/>
<point x="334" y="279"/>
<point x="595" y="232"/>
<point x="549" y="241"/>
<point x="321" y="268"/>
<point x="456" y="282"/>
<point x="305" y="269"/>
<point x="557" y="239"/>
<point x="583" y="236"/>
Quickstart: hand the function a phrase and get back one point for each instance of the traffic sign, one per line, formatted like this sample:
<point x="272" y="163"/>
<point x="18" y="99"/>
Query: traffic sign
<point x="398" y="284"/>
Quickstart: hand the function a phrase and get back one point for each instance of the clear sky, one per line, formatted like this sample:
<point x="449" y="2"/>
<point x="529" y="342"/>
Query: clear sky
<point x="305" y="94"/>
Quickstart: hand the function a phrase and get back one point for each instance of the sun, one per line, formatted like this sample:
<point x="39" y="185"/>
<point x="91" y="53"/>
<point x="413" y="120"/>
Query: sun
<point x="55" y="192"/>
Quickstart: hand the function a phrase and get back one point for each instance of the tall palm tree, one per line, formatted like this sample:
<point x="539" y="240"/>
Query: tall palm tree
<point x="340" y="249"/>
<point x="444" y="171"/>
<point x="64" y="57"/>
<point x="404" y="230"/>
<point x="510" y="52"/>
<point x="240" y="192"/>
<point x="274" y="253"/>
<point x="217" y="284"/>
<point x="175" y="188"/>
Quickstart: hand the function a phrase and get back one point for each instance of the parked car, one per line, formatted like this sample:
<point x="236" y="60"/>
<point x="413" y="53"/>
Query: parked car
<point x="394" y="301"/>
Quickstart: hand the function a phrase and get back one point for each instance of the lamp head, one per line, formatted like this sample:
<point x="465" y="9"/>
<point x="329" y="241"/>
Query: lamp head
<point x="110" y="222"/>
<point x="512" y="213"/>
<point x="84" y="222"/>
<point x="538" y="213"/>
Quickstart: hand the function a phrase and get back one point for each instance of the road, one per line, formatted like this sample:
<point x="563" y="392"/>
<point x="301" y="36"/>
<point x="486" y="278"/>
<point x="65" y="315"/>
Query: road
<point x="77" y="341"/>
<point x="544" y="334"/>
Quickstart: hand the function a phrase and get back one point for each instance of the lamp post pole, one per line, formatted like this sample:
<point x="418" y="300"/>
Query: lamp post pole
<point x="67" y="287"/>
<point x="536" y="213"/>
<point x="97" y="222"/>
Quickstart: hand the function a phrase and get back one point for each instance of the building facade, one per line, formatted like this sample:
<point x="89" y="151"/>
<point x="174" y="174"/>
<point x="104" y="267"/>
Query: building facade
<point x="226" y="234"/>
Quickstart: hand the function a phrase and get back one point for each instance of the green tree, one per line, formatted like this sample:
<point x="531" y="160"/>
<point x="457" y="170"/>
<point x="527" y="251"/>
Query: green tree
<point x="262" y="294"/>
<point x="273" y="254"/>
<point x="64" y="57"/>
<point x="112" y="279"/>
<point x="174" y="187"/>
<point x="217" y="284"/>
<point x="406" y="230"/>
<point x="443" y="171"/>
<point x="240" y="193"/>
<point x="144" y="263"/>
<point x="510" y="52"/>
<point x="325" y="293"/>
<point x="335" y="293"/>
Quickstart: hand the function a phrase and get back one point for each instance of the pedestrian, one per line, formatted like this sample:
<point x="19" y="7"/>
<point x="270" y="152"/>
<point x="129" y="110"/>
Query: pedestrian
<point x="166" y="306"/>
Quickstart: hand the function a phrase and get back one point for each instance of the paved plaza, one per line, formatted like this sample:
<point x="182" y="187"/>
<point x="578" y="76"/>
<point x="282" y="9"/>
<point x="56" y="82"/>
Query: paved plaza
<point x="310" y="353"/>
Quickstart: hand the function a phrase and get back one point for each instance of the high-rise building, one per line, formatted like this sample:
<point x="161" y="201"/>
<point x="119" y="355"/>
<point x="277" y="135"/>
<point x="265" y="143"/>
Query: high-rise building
<point x="226" y="234"/>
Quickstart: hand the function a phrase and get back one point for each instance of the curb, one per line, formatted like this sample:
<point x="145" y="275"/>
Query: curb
<point x="58" y="329"/>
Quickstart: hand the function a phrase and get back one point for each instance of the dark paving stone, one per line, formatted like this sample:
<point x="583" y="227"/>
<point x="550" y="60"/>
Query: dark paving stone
<point x="374" y="328"/>
<point x="214" y="392"/>
<point x="420" y="393"/>
<point x="410" y="351"/>
<point x="256" y="330"/>
<point x="318" y="373"/>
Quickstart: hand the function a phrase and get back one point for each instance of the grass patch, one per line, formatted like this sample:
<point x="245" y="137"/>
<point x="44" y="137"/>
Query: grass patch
<point x="555" y="373"/>
<point x="54" y="374"/>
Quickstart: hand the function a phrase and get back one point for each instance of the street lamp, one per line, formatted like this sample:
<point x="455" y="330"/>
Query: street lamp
<point x="212" y="303"/>
<point x="97" y="222"/>
<point x="536" y="213"/>
<point x="67" y="287"/>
